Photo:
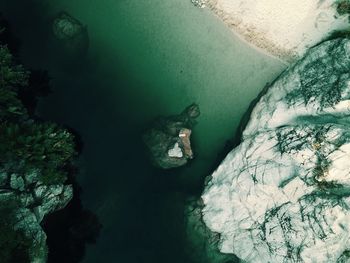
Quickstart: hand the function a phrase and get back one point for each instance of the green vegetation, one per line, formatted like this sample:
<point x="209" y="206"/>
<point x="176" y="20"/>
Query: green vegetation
<point x="39" y="146"/>
<point x="26" y="144"/>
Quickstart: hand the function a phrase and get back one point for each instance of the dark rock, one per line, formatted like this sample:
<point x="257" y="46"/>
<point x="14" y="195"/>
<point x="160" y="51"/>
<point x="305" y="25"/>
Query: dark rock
<point x="168" y="139"/>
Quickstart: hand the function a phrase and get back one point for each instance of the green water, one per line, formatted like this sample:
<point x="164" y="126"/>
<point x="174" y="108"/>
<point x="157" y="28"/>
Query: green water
<point x="145" y="58"/>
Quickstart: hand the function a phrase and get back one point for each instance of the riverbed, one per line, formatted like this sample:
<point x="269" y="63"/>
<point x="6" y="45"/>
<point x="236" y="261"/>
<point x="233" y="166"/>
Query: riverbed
<point x="145" y="58"/>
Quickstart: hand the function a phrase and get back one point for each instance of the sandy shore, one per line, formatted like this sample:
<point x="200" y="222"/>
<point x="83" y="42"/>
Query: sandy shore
<point x="282" y="28"/>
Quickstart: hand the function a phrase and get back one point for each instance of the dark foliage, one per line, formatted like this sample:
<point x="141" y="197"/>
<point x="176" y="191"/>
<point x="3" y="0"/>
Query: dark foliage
<point x="42" y="146"/>
<point x="26" y="144"/>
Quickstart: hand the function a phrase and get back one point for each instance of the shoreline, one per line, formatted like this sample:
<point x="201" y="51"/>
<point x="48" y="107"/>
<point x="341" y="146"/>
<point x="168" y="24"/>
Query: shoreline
<point x="266" y="48"/>
<point x="287" y="42"/>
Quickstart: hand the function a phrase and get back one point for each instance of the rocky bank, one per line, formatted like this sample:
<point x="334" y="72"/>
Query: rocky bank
<point x="35" y="157"/>
<point x="283" y="195"/>
<point x="29" y="200"/>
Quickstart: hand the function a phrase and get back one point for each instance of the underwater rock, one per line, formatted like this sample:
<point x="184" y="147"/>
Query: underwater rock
<point x="168" y="140"/>
<point x="283" y="195"/>
<point x="71" y="34"/>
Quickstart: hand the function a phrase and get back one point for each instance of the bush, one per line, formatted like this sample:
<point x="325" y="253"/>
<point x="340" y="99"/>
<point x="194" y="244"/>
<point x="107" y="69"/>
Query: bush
<point x="11" y="107"/>
<point x="42" y="146"/>
<point x="26" y="144"/>
<point x="12" y="76"/>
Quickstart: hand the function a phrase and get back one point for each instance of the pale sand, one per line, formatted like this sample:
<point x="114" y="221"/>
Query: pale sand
<point x="283" y="28"/>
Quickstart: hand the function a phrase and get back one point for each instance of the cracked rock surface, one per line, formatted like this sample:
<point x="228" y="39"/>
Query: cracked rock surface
<point x="283" y="195"/>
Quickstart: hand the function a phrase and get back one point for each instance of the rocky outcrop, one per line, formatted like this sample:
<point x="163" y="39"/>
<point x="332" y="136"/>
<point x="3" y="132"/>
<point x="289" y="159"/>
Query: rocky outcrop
<point x="168" y="139"/>
<point x="29" y="200"/>
<point x="283" y="195"/>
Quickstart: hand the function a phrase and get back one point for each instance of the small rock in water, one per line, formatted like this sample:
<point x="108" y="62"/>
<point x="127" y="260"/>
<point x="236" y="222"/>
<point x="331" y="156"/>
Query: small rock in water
<point x="199" y="3"/>
<point x="168" y="140"/>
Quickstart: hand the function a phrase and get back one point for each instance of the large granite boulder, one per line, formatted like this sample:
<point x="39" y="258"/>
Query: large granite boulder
<point x="283" y="195"/>
<point x="168" y="139"/>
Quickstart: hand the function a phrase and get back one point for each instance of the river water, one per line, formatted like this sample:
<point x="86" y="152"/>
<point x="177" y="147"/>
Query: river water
<point x="146" y="57"/>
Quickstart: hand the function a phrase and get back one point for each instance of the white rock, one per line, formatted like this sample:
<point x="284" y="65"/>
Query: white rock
<point x="283" y="194"/>
<point x="175" y="151"/>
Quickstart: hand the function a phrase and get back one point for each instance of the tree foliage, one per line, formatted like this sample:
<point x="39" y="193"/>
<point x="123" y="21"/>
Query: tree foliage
<point x="12" y="76"/>
<point x="42" y="146"/>
<point x="26" y="144"/>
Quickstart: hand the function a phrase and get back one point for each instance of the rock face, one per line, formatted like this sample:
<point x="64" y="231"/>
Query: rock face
<point x="33" y="200"/>
<point x="283" y="195"/>
<point x="71" y="33"/>
<point x="168" y="140"/>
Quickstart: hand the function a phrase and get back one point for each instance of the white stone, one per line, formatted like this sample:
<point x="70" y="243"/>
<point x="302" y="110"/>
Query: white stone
<point x="175" y="151"/>
<point x="283" y="194"/>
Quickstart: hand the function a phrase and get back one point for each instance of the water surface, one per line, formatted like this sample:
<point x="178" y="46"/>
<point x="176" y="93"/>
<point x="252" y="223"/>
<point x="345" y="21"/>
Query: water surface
<point x="146" y="58"/>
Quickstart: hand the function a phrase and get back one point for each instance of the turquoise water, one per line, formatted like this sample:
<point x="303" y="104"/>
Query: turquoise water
<point x="146" y="58"/>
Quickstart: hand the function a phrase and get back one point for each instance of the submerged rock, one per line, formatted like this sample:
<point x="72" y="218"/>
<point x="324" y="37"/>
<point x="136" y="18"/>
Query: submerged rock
<point x="283" y="195"/>
<point x="71" y="33"/>
<point x="168" y="140"/>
